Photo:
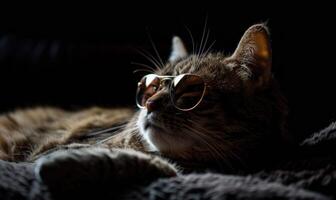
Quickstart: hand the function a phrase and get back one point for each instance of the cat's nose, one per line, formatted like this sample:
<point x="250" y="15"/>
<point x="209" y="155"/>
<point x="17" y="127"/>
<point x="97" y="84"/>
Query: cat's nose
<point x="152" y="105"/>
<point x="157" y="102"/>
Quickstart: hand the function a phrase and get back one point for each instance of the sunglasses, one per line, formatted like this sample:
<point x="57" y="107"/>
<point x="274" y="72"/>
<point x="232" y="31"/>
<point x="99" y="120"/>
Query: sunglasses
<point x="186" y="90"/>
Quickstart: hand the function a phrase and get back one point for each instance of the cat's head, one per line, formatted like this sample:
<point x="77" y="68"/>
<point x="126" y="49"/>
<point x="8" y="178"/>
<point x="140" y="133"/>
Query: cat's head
<point x="242" y="107"/>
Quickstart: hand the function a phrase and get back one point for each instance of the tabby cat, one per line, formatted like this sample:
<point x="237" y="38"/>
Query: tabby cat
<point x="197" y="111"/>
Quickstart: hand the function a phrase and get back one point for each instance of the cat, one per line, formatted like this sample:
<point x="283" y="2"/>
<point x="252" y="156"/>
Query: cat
<point x="240" y="115"/>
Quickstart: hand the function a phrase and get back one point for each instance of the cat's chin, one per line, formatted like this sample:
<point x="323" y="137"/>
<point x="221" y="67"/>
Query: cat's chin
<point x="165" y="142"/>
<point x="160" y="138"/>
<point x="156" y="137"/>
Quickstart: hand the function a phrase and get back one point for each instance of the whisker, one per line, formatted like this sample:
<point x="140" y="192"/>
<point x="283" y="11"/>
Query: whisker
<point x="155" y="50"/>
<point x="141" y="70"/>
<point x="209" y="48"/>
<point x="150" y="58"/>
<point x="131" y="129"/>
<point x="219" y="152"/>
<point x="192" y="40"/>
<point x="203" y="35"/>
<point x="205" y="43"/>
<point x="204" y="138"/>
<point x="193" y="45"/>
<point x="94" y="133"/>
<point x="151" y="69"/>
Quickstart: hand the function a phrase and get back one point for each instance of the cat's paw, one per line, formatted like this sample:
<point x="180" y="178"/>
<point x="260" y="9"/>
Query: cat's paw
<point x="74" y="169"/>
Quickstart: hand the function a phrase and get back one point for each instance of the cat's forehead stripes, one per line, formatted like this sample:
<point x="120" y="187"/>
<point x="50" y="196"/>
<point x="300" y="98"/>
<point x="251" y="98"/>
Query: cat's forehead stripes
<point x="212" y="67"/>
<point x="196" y="64"/>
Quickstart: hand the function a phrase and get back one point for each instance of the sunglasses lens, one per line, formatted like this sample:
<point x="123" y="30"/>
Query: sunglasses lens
<point x="187" y="91"/>
<point x="147" y="87"/>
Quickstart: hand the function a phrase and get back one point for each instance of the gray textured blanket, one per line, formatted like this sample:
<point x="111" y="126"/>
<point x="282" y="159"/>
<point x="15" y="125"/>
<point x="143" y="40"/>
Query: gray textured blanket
<point x="311" y="177"/>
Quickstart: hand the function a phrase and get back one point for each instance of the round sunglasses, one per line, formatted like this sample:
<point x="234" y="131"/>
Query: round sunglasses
<point x="186" y="90"/>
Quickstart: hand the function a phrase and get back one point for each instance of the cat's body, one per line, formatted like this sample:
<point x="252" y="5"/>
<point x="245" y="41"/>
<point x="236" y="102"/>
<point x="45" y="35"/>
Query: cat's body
<point x="25" y="134"/>
<point x="242" y="116"/>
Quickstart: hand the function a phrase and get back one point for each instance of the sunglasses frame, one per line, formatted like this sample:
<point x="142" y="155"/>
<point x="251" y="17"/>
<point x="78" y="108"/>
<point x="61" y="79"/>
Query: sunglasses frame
<point x="171" y="79"/>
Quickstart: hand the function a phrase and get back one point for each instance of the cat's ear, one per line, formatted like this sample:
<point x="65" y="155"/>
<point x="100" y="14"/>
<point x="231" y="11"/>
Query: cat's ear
<point x="178" y="50"/>
<point x="254" y="51"/>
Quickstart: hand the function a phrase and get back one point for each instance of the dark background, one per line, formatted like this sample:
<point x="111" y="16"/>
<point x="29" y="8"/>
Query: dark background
<point x="75" y="57"/>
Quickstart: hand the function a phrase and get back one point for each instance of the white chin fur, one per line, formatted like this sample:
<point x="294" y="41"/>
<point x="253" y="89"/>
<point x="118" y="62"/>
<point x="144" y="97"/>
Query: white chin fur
<point x="162" y="141"/>
<point x="143" y="132"/>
